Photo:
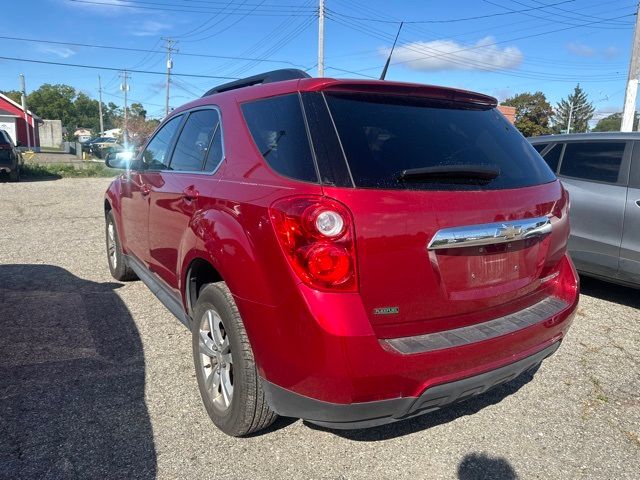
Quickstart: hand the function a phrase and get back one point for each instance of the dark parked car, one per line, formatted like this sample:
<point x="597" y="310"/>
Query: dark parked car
<point x="10" y="157"/>
<point x="601" y="171"/>
<point x="97" y="146"/>
<point x="348" y="252"/>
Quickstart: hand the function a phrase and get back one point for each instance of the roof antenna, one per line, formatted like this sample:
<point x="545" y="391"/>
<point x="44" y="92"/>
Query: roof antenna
<point x="386" y="65"/>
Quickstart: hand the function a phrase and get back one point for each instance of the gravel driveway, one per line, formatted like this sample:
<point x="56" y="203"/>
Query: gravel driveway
<point x="96" y="381"/>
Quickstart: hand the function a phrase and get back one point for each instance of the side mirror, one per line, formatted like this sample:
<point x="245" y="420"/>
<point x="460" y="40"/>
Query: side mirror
<point x="121" y="160"/>
<point x="18" y="144"/>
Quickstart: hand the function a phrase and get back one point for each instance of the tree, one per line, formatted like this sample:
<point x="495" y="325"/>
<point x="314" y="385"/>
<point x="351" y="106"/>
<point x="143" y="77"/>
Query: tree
<point x="577" y="107"/>
<point x="137" y="110"/>
<point x="87" y="113"/>
<point x="14" y="95"/>
<point x="613" y="122"/>
<point x="533" y="113"/>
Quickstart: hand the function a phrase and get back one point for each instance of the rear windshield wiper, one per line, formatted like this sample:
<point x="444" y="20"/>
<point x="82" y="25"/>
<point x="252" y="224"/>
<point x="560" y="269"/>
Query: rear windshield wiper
<point x="446" y="172"/>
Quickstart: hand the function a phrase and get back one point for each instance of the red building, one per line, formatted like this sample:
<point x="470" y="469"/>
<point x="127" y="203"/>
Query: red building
<point x="12" y="120"/>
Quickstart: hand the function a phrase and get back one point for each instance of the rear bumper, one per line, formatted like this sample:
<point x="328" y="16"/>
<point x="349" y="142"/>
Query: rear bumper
<point x="321" y="347"/>
<point x="371" y="414"/>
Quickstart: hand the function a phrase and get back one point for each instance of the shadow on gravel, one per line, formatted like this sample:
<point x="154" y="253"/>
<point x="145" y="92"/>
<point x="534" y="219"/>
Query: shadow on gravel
<point x="479" y="466"/>
<point x="71" y="379"/>
<point x="610" y="292"/>
<point x="435" y="418"/>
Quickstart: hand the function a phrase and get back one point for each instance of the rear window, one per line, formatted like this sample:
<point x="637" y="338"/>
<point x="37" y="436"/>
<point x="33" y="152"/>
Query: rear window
<point x="599" y="161"/>
<point x="278" y="130"/>
<point x="382" y="136"/>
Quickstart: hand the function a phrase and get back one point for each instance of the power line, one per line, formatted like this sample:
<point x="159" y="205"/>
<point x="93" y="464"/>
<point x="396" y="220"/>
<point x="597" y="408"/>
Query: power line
<point x="385" y="36"/>
<point x="113" y="69"/>
<point x="450" y="20"/>
<point x="266" y="12"/>
<point x="143" y="50"/>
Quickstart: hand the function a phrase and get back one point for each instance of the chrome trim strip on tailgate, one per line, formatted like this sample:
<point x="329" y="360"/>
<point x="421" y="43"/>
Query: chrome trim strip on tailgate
<point x="479" y="332"/>
<point x="490" y="233"/>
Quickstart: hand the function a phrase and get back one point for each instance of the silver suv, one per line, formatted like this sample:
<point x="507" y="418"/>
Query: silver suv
<point x="601" y="171"/>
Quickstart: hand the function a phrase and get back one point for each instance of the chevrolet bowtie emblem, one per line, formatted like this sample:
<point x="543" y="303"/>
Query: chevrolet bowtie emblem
<point x="509" y="231"/>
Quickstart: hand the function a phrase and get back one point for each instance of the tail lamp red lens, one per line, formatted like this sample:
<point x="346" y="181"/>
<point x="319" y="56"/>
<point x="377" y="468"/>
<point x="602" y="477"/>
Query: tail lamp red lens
<point x="316" y="235"/>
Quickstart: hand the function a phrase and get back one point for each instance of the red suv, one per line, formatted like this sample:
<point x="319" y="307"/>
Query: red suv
<point x="347" y="252"/>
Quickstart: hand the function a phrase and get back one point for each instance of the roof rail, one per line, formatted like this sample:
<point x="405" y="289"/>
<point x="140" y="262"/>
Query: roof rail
<point x="268" y="77"/>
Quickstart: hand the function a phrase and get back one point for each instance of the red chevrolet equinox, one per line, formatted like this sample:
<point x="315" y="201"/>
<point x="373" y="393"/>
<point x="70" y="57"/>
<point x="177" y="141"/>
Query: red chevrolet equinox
<point x="347" y="252"/>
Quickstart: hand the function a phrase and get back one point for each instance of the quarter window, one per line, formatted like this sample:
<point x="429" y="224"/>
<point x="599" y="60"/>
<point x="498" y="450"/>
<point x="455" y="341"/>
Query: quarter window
<point x="156" y="155"/>
<point x="593" y="161"/>
<point x="540" y="147"/>
<point x="278" y="130"/>
<point x="215" y="154"/>
<point x="194" y="141"/>
<point x="552" y="157"/>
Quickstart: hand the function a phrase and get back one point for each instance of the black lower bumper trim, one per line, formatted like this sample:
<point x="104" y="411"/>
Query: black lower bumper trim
<point x="370" y="414"/>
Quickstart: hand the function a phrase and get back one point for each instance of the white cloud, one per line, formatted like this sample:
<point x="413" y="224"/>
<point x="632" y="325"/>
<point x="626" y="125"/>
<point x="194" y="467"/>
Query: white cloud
<point x="149" y="28"/>
<point x="451" y="55"/>
<point x="103" y="7"/>
<point x="60" y="51"/>
<point x="582" y="50"/>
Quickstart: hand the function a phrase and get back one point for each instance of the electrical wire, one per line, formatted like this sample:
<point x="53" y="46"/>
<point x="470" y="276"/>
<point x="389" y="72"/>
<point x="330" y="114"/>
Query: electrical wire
<point x="450" y="20"/>
<point x="113" y="69"/>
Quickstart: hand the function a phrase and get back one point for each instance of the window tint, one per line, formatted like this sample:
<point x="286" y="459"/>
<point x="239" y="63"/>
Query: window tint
<point x="4" y="138"/>
<point x="277" y="127"/>
<point x="193" y="144"/>
<point x="593" y="161"/>
<point x="383" y="135"/>
<point x="540" y="146"/>
<point x="215" y="154"/>
<point x="552" y="157"/>
<point x="156" y="155"/>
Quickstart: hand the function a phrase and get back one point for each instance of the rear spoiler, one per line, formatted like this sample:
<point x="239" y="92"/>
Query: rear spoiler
<point x="398" y="88"/>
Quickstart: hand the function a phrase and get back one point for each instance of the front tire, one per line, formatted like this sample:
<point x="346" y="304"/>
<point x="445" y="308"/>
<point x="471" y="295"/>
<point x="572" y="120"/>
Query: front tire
<point x="225" y="367"/>
<point x="117" y="261"/>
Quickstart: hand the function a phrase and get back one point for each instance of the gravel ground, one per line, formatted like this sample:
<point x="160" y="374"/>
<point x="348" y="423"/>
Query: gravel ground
<point x="96" y="381"/>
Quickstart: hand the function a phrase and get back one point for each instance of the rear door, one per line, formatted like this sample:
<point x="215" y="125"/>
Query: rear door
<point x="596" y="174"/>
<point x="407" y="159"/>
<point x="630" y="249"/>
<point x="135" y="190"/>
<point x="175" y="191"/>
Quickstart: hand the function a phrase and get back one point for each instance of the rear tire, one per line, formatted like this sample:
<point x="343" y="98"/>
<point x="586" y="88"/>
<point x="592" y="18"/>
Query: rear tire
<point x="225" y="367"/>
<point x="116" y="259"/>
<point x="14" y="175"/>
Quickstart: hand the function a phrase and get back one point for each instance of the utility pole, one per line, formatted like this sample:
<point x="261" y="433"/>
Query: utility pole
<point x="100" y="105"/>
<point x="632" y="80"/>
<point x="169" y="43"/>
<point x="321" y="39"/>
<point x="570" y="118"/>
<point x="23" y="89"/>
<point x="125" y="88"/>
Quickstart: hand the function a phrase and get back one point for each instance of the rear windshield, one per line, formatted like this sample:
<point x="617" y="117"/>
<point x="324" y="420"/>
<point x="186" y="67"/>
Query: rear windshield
<point x="382" y="136"/>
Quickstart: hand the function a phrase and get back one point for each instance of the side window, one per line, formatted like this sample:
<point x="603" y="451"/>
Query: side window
<point x="598" y="161"/>
<point x="552" y="157"/>
<point x="540" y="146"/>
<point x="156" y="155"/>
<point x="194" y="141"/>
<point x="278" y="130"/>
<point x="215" y="153"/>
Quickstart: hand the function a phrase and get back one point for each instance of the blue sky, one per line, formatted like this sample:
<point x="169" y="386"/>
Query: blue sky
<point x="499" y="47"/>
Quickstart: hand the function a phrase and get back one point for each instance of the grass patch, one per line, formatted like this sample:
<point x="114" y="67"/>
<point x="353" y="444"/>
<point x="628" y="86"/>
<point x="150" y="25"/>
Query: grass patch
<point x="34" y="170"/>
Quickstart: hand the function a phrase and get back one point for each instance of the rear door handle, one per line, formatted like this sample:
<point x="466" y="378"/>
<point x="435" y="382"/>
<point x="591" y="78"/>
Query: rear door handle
<point x="190" y="193"/>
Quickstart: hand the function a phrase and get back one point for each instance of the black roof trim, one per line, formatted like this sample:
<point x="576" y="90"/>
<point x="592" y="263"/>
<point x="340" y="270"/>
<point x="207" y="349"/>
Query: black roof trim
<point x="268" y="77"/>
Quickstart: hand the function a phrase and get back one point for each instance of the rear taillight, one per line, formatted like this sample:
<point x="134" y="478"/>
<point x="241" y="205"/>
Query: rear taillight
<point x="316" y="235"/>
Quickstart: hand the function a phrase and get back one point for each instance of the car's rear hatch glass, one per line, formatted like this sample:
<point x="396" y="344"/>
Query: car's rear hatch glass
<point x="385" y="135"/>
